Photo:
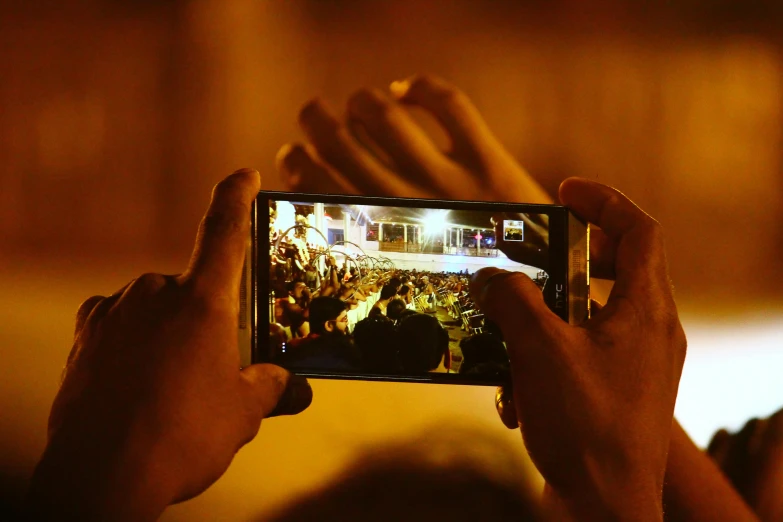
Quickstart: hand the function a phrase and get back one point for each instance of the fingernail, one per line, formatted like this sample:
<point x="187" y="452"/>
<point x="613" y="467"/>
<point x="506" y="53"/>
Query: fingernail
<point x="503" y="394"/>
<point x="296" y="398"/>
<point x="480" y="282"/>
<point x="399" y="87"/>
<point x="245" y="173"/>
<point x="505" y="408"/>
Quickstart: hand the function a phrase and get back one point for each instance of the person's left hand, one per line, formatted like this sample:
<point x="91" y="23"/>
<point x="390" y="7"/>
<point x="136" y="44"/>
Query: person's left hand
<point x="153" y="404"/>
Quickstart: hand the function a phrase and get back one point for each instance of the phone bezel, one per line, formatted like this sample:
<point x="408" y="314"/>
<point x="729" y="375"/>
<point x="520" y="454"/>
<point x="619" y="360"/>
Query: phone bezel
<point x="558" y="262"/>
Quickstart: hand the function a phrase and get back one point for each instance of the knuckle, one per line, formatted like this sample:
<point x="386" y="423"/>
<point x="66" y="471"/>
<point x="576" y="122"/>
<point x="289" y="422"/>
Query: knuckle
<point x="670" y="324"/>
<point x="88" y="305"/>
<point x="653" y="228"/>
<point x="224" y="223"/>
<point x="450" y="97"/>
<point x="775" y="425"/>
<point x="148" y="282"/>
<point x="680" y="340"/>
<point x="376" y="103"/>
<point x="205" y="303"/>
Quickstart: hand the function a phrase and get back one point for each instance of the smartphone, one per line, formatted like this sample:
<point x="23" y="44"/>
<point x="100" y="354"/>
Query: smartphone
<point x="353" y="287"/>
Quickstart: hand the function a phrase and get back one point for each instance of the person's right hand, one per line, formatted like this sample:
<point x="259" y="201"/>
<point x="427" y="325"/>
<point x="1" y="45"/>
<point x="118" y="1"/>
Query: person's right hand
<point x="596" y="402"/>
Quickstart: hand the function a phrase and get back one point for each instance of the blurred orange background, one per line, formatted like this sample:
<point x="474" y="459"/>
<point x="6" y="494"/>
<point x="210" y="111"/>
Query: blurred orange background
<point x="116" y="118"/>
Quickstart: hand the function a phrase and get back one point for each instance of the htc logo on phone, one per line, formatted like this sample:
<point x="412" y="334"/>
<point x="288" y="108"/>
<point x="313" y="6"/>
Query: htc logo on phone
<point x="560" y="296"/>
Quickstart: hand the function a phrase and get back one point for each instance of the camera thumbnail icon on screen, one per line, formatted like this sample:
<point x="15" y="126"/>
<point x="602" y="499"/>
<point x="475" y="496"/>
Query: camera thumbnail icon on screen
<point x="513" y="230"/>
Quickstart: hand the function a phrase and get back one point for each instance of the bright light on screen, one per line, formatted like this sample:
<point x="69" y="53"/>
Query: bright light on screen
<point x="436" y="221"/>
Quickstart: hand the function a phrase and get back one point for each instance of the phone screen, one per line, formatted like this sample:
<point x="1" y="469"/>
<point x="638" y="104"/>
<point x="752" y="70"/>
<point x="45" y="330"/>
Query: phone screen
<point x="375" y="288"/>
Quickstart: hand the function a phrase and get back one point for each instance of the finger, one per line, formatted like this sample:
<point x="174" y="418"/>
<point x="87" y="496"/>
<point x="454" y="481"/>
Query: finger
<point x="640" y="260"/>
<point x="737" y="460"/>
<point x="84" y="312"/>
<point x="86" y="308"/>
<point x="768" y="479"/>
<point x="470" y="136"/>
<point x="774" y="431"/>
<point x="302" y="173"/>
<point x="540" y="220"/>
<point x="410" y="149"/>
<point x="102" y="308"/>
<point x="719" y="447"/>
<point x="336" y="147"/>
<point x="219" y="255"/>
<point x="538" y="224"/>
<point x="504" y="404"/>
<point x="90" y="312"/>
<point x="272" y="390"/>
<point x="514" y="302"/>
<point x="757" y="435"/>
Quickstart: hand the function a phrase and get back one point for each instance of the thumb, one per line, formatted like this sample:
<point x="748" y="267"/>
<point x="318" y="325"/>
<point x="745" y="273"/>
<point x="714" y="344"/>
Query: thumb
<point x="514" y="302"/>
<point x="504" y="404"/>
<point x="272" y="390"/>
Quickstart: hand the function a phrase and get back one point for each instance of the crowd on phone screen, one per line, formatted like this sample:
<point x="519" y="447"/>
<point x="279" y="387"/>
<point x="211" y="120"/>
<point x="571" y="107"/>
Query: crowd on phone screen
<point x="378" y="321"/>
